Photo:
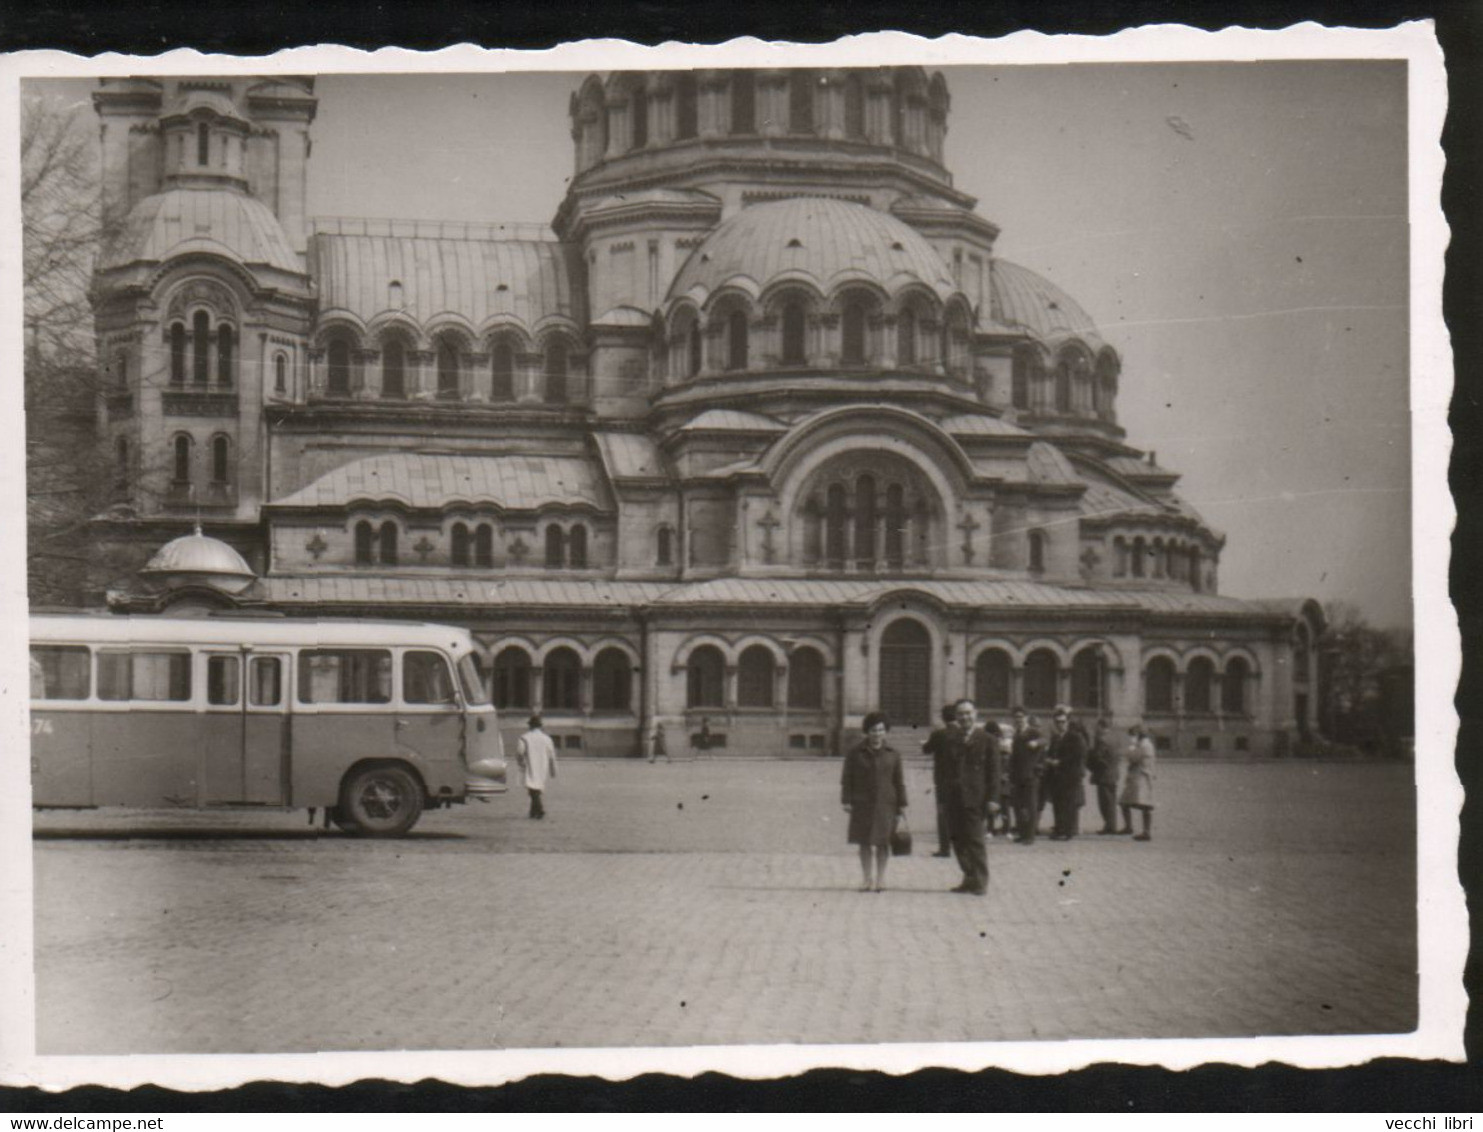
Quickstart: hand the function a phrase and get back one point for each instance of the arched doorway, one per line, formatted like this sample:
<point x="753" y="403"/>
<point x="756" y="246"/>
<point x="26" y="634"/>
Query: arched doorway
<point x="906" y="673"/>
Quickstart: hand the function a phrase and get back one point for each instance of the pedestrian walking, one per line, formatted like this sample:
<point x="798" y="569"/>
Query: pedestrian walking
<point x="1026" y="750"/>
<point x="1138" y="784"/>
<point x="873" y="792"/>
<point x="659" y="749"/>
<point x="937" y="746"/>
<point x="1065" y="756"/>
<point x="971" y="778"/>
<point x="538" y="763"/>
<point x="1105" y="764"/>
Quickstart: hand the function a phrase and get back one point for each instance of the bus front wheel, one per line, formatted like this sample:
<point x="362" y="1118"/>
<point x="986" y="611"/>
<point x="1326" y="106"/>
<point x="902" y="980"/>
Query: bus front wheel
<point x="381" y="801"/>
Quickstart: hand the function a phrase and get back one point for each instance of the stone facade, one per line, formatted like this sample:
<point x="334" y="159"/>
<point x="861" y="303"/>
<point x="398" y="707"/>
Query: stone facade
<point x="759" y="436"/>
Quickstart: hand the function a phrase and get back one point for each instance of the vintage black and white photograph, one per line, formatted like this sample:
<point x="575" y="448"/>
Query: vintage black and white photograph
<point x="691" y="552"/>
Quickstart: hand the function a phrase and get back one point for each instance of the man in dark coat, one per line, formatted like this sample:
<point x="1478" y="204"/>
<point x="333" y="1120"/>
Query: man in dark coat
<point x="1026" y="749"/>
<point x="1104" y="761"/>
<point x="1065" y="758"/>
<point x="937" y="746"/>
<point x="971" y="780"/>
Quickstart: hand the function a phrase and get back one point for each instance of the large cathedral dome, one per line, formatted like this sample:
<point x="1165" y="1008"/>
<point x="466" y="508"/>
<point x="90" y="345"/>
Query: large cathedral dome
<point x="202" y="220"/>
<point x="1025" y="301"/>
<point x="815" y="240"/>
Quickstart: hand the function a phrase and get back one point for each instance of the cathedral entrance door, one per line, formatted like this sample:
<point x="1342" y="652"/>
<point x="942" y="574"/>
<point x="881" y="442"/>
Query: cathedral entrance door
<point x="906" y="674"/>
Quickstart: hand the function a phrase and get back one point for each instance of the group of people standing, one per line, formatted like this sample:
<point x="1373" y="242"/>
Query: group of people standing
<point x="991" y="781"/>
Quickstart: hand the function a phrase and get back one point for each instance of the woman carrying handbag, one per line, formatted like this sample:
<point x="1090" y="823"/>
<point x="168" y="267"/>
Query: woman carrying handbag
<point x="873" y="792"/>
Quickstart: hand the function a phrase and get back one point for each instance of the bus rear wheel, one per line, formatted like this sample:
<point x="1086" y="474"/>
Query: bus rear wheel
<point x="380" y="801"/>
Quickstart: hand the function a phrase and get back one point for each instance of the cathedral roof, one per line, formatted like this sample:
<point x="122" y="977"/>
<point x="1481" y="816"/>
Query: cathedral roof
<point x="814" y="239"/>
<point x="423" y="481"/>
<point x="480" y="279"/>
<point x="215" y="221"/>
<point x="1023" y="300"/>
<point x="980" y="424"/>
<point x="732" y="420"/>
<point x="630" y="456"/>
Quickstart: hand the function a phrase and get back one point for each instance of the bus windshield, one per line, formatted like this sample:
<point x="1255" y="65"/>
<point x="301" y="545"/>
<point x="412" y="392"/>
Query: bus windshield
<point x="473" y="683"/>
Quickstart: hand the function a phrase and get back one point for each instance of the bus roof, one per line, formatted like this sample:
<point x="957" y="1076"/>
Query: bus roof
<point x="266" y="632"/>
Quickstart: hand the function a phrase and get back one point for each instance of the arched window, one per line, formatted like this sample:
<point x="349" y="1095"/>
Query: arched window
<point x="664" y="549"/>
<point x="1119" y="557"/>
<point x="1042" y="672"/>
<point x="561" y="678"/>
<point x="852" y="333"/>
<point x="555" y="547"/>
<point x="1196" y="579"/>
<point x="203" y="144"/>
<point x="794" y="350"/>
<point x="1088" y="668"/>
<point x="556" y="366"/>
<point x="484" y="546"/>
<point x="1037" y="552"/>
<point x="177" y="354"/>
<point x="338" y="379"/>
<point x="1156" y="558"/>
<point x="1158" y="686"/>
<point x="225" y="362"/>
<point x="906" y="338"/>
<point x="280" y="374"/>
<point x="365" y="536"/>
<point x="1063" y="385"/>
<point x="221" y="453"/>
<point x="576" y="547"/>
<point x="806" y="679"/>
<point x="743" y="102"/>
<point x="801" y="102"/>
<point x="703" y="678"/>
<point x="736" y="340"/>
<point x="865" y="515"/>
<point x="511" y="678"/>
<point x="854" y="106"/>
<point x="835" y="516"/>
<point x="693" y="350"/>
<point x="639" y="107"/>
<point x="388" y="543"/>
<point x="121" y="370"/>
<point x="895" y="526"/>
<point x="182" y="459"/>
<point x="756" y="674"/>
<point x="502" y="370"/>
<point x="121" y="462"/>
<point x="459" y="550"/>
<point x="991" y="680"/>
<point x="1233" y="686"/>
<point x="1199" y="680"/>
<point x="447" y="369"/>
<point x="1023" y="365"/>
<point x="612" y="681"/>
<point x="1140" y="552"/>
<point x="685" y="105"/>
<point x="200" y="348"/>
<point x="393" y="369"/>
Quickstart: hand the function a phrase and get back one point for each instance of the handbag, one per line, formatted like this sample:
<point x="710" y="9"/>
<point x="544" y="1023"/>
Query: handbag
<point x="901" y="838"/>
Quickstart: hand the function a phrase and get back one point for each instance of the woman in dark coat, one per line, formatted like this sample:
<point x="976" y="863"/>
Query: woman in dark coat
<point x="873" y="791"/>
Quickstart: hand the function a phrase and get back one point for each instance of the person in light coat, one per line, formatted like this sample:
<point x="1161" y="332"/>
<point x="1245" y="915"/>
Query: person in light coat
<point x="1138" y="784"/>
<point x="538" y="762"/>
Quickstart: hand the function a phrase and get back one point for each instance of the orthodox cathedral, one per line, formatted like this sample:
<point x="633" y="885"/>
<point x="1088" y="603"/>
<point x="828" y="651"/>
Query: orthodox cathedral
<point x="758" y="436"/>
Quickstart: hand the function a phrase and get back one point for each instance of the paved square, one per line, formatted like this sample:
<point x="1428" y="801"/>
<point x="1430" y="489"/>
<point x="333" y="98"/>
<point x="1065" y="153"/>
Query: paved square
<point x="714" y="902"/>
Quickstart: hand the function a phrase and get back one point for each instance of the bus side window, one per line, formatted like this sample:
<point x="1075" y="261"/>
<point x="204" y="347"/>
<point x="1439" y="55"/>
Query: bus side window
<point x="267" y="681"/>
<point x="222" y="680"/>
<point x="345" y="676"/>
<point x="425" y="679"/>
<point x="60" y="672"/>
<point x="152" y="676"/>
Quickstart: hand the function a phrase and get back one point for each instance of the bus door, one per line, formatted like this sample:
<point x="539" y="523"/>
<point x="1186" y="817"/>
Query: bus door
<point x="246" y="733"/>
<point x="429" y="718"/>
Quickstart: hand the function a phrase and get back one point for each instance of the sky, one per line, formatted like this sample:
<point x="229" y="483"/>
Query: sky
<point x="1237" y="230"/>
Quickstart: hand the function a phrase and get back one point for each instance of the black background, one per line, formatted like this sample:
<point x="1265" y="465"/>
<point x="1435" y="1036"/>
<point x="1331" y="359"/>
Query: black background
<point x="89" y="27"/>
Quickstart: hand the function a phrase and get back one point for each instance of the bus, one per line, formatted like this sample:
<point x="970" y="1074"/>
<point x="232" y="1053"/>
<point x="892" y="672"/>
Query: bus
<point x="372" y="721"/>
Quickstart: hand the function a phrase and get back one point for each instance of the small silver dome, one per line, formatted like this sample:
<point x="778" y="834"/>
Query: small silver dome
<point x="197" y="559"/>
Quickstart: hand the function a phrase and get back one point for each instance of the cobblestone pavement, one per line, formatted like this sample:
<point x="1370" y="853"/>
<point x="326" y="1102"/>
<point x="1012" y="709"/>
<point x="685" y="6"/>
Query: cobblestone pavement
<point x="714" y="902"/>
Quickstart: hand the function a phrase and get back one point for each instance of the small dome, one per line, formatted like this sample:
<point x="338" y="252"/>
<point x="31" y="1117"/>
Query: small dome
<point x="1026" y="301"/>
<point x="196" y="558"/>
<point x="825" y="242"/>
<point x="216" y="221"/>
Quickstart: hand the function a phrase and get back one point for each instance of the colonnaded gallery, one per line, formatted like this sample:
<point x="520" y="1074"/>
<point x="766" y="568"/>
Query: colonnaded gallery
<point x="758" y="435"/>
